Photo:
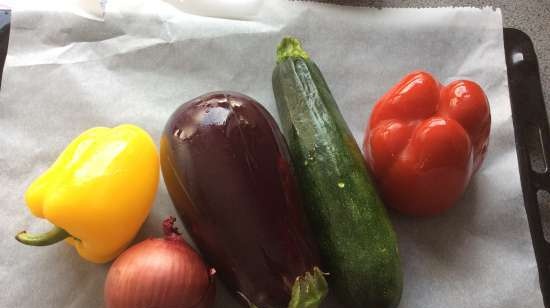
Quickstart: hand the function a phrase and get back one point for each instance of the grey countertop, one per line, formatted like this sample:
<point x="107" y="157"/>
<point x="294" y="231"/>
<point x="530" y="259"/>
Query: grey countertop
<point x="530" y="16"/>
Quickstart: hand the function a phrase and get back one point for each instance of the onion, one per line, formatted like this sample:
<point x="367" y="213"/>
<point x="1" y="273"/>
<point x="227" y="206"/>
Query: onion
<point x="160" y="273"/>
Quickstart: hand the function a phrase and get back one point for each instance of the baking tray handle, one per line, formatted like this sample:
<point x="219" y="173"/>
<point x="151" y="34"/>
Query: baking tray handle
<point x="532" y="144"/>
<point x="5" y="21"/>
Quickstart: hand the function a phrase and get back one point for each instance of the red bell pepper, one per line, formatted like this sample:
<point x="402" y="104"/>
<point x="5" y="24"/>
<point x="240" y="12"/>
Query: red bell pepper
<point x="424" y="141"/>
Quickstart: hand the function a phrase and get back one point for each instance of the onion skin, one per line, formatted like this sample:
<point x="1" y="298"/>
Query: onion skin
<point x="160" y="273"/>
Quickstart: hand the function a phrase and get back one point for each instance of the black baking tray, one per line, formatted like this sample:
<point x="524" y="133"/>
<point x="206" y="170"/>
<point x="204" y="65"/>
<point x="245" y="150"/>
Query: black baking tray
<point x="5" y="22"/>
<point x="531" y="133"/>
<point x="532" y="145"/>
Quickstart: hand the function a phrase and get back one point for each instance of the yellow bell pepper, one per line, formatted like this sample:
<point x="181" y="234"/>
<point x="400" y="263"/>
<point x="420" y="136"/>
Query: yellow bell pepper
<point x="98" y="192"/>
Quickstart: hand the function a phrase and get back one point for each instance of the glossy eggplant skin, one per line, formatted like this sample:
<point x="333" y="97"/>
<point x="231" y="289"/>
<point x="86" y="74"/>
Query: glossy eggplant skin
<point x="227" y="169"/>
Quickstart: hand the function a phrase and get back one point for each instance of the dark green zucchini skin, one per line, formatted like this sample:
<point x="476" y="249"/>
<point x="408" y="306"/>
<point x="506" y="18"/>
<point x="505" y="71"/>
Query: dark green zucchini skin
<point x="357" y="241"/>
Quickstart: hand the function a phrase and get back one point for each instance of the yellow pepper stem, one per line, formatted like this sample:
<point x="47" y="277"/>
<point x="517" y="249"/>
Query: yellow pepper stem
<point x="53" y="236"/>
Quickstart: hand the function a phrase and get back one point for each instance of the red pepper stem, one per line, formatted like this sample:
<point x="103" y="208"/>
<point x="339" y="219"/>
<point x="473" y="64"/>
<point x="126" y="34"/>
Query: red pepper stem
<point x="53" y="236"/>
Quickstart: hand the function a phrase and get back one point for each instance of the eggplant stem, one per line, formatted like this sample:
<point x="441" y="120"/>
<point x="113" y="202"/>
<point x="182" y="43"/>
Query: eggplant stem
<point x="309" y="290"/>
<point x="51" y="237"/>
<point x="248" y="302"/>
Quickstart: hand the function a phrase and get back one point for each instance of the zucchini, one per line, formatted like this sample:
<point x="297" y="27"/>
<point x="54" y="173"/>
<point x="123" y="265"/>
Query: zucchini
<point x="357" y="242"/>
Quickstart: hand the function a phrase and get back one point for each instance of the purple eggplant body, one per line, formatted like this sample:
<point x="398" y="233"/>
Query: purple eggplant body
<point x="226" y="166"/>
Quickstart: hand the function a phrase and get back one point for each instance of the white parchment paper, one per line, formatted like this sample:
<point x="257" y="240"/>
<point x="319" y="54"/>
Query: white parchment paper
<point x="68" y="70"/>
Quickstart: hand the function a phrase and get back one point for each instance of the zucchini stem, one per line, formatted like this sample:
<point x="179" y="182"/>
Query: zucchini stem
<point x="290" y="47"/>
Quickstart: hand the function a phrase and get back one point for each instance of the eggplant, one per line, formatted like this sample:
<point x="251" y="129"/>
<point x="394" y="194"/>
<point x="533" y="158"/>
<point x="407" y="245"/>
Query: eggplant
<point x="228" y="172"/>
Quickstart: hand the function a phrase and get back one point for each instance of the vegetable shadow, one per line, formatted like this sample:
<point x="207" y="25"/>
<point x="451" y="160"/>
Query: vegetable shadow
<point x="439" y="249"/>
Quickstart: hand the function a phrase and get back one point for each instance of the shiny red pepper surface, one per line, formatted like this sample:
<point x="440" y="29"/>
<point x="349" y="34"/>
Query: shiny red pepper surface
<point x="424" y="141"/>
